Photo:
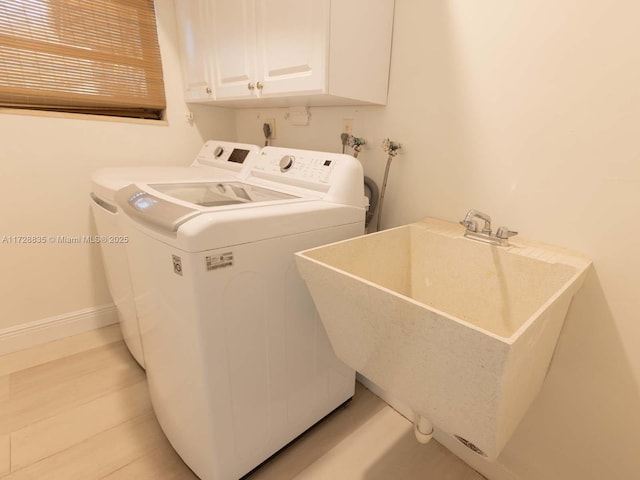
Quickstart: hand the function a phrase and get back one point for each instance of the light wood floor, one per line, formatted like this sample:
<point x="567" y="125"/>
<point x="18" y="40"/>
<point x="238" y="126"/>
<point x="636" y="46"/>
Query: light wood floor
<point x="78" y="409"/>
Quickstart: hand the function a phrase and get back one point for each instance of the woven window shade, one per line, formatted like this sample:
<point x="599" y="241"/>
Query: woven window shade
<point x="85" y="56"/>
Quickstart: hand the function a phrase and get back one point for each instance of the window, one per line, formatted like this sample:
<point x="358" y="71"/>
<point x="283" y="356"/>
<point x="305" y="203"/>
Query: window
<point x="83" y="56"/>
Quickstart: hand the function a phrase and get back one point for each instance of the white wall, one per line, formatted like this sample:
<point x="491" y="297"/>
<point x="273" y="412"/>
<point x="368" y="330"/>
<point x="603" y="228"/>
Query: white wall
<point x="45" y="164"/>
<point x="529" y="111"/>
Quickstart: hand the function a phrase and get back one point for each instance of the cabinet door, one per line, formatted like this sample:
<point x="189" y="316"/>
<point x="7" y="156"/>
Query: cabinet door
<point x="234" y="38"/>
<point x="292" y="44"/>
<point x="195" y="49"/>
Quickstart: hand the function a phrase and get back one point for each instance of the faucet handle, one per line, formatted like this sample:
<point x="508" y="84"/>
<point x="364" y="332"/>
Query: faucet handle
<point x="504" y="233"/>
<point x="470" y="225"/>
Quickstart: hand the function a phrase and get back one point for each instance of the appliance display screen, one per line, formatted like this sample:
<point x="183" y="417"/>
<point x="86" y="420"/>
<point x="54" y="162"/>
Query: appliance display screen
<point x="144" y="202"/>
<point x="238" y="155"/>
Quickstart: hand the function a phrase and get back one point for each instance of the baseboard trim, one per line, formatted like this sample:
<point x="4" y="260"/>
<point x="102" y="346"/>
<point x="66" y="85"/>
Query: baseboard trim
<point x="491" y="470"/>
<point x="31" y="334"/>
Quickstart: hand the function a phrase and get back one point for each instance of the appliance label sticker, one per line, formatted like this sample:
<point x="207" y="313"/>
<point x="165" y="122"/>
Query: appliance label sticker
<point x="219" y="261"/>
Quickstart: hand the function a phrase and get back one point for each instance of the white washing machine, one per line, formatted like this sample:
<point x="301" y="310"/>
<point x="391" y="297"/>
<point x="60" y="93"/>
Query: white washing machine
<point x="216" y="160"/>
<point x="238" y="362"/>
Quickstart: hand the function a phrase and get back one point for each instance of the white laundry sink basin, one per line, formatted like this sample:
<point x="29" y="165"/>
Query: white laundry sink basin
<point x="461" y="331"/>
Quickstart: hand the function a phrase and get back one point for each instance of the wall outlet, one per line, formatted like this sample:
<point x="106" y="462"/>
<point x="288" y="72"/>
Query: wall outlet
<point x="347" y="125"/>
<point x="272" y="125"/>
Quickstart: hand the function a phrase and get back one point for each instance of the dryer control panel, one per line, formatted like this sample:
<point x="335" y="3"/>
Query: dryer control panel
<point x="231" y="156"/>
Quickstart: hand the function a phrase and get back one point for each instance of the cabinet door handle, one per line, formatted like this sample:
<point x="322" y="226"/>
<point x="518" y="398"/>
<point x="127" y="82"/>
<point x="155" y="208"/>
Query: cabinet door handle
<point x="208" y="90"/>
<point x="260" y="86"/>
<point x="250" y="86"/>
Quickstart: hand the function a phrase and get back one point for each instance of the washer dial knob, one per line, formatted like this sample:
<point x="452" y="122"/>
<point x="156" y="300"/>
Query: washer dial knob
<point x="218" y="151"/>
<point x="287" y="162"/>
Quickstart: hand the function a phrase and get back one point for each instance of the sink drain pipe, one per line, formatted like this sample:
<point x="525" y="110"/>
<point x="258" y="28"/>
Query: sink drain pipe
<point x="423" y="429"/>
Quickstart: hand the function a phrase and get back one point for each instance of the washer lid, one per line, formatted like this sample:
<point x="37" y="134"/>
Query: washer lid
<point x="153" y="210"/>
<point x="175" y="203"/>
<point x="216" y="194"/>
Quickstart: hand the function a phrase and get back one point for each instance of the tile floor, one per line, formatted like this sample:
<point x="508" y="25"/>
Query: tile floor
<point x="78" y="409"/>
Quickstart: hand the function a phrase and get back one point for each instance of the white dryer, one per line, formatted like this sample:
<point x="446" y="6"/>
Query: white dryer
<point x="238" y="362"/>
<point x="216" y="160"/>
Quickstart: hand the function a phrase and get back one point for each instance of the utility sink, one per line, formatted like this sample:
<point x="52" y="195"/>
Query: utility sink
<point x="461" y="331"/>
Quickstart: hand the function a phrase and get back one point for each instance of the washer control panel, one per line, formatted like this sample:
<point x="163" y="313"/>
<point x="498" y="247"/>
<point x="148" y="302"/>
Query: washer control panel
<point x="313" y="168"/>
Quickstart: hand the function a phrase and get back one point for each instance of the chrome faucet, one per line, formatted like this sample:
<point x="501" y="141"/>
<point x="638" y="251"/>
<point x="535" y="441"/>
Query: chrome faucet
<point x="500" y="238"/>
<point x="471" y="224"/>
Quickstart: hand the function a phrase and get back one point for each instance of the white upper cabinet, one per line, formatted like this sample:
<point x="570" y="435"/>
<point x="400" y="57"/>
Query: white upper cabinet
<point x="234" y="48"/>
<point x="292" y="46"/>
<point x="191" y="18"/>
<point x="291" y="52"/>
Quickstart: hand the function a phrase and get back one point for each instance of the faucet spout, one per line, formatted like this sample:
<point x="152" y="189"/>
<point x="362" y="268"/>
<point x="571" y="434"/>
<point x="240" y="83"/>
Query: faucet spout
<point x="470" y="224"/>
